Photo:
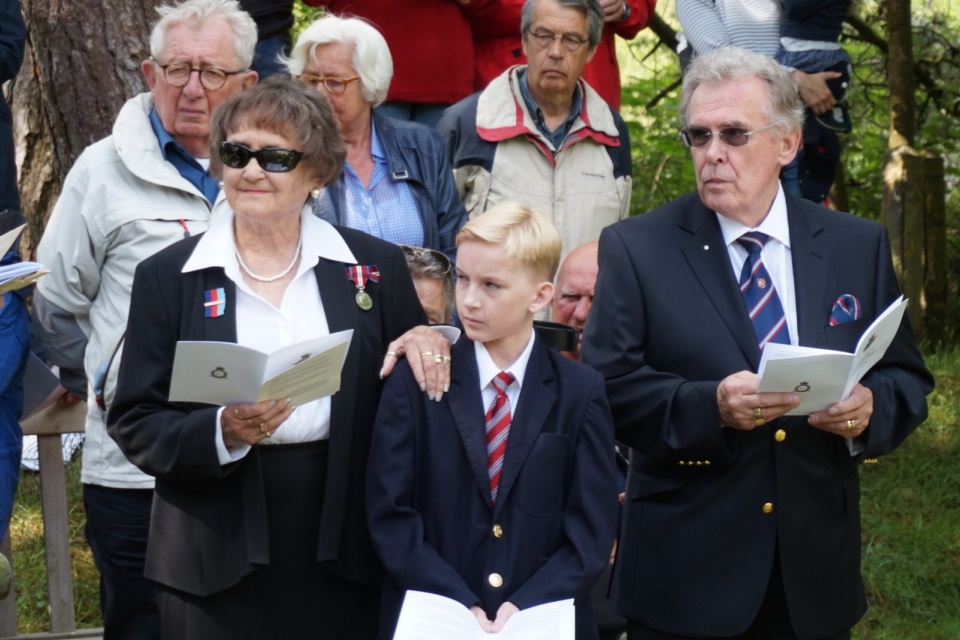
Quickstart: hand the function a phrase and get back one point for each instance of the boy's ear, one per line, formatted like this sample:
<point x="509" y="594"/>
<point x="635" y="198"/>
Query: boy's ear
<point x="542" y="298"/>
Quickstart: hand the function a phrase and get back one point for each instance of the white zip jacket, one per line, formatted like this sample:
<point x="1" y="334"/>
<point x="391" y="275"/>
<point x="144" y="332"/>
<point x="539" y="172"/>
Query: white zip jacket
<point x="121" y="203"/>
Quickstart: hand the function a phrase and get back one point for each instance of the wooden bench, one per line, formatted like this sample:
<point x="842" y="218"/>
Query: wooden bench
<point x="49" y="425"/>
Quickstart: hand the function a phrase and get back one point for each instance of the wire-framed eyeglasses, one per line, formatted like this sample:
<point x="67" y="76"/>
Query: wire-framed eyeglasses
<point x="545" y="40"/>
<point x="731" y="136"/>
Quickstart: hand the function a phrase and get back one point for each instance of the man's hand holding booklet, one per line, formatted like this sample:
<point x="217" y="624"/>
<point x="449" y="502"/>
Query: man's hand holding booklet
<point x="823" y="377"/>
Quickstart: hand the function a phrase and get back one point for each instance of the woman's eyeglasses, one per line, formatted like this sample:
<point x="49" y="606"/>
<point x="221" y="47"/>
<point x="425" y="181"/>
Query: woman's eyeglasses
<point x="332" y="84"/>
<point x="428" y="256"/>
<point x="731" y="136"/>
<point x="273" y="159"/>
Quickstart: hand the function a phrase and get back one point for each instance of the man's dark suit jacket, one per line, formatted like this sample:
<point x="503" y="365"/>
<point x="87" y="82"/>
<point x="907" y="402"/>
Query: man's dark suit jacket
<point x="428" y="493"/>
<point x="208" y="528"/>
<point x="669" y="323"/>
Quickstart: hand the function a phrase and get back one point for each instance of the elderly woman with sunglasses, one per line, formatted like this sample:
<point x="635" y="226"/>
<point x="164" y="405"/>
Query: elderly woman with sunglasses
<point x="397" y="183"/>
<point x="258" y="527"/>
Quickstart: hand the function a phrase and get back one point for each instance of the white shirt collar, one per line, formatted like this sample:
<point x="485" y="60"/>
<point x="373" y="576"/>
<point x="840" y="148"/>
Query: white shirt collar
<point x="774" y="225"/>
<point x="488" y="369"/>
<point x="216" y="246"/>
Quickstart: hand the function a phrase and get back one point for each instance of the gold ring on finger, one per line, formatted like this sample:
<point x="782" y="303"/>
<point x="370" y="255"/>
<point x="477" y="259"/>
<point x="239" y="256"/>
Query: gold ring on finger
<point x="851" y="424"/>
<point x="446" y="358"/>
<point x="426" y="354"/>
<point x="438" y="358"/>
<point x="758" y="413"/>
<point x="393" y="354"/>
<point x="262" y="429"/>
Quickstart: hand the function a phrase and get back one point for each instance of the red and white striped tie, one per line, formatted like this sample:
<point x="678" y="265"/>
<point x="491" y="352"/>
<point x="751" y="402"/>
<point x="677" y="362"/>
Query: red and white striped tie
<point x="498" y="428"/>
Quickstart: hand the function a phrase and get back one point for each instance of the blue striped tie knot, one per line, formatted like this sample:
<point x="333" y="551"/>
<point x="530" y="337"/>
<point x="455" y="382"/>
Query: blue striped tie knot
<point x="760" y="294"/>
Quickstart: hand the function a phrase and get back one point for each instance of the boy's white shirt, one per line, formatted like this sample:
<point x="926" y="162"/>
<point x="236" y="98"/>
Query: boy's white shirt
<point x="488" y="370"/>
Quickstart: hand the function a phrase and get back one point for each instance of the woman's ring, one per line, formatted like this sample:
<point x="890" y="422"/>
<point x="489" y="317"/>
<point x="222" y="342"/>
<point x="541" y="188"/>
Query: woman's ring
<point x="393" y="353"/>
<point x="262" y="430"/>
<point x="426" y="354"/>
<point x="851" y="424"/>
<point x="758" y="413"/>
<point x="438" y="358"/>
<point x="446" y="358"/>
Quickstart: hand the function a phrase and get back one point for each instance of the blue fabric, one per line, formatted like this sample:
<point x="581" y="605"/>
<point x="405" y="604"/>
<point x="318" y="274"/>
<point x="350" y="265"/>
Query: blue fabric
<point x="14" y="349"/>
<point x="557" y="136"/>
<point x="266" y="57"/>
<point x="756" y="285"/>
<point x="184" y="163"/>
<point x="13" y="37"/>
<point x="415" y="156"/>
<point x="427" y="114"/>
<point x="384" y="209"/>
<point x="118" y="522"/>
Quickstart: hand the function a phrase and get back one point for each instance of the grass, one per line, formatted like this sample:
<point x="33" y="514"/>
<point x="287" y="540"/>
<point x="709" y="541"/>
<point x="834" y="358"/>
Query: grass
<point x="911" y="532"/>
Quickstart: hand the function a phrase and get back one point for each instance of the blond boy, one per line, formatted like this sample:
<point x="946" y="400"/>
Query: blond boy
<point x="502" y="496"/>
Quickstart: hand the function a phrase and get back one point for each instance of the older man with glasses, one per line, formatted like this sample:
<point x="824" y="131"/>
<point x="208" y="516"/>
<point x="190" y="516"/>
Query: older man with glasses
<point x="540" y="135"/>
<point x="129" y="195"/>
<point x="741" y="520"/>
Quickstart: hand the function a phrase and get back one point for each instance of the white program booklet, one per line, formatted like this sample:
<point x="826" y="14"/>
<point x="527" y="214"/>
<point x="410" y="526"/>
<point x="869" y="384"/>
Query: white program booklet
<point x="427" y="616"/>
<point x="19" y="274"/>
<point x="823" y="377"/>
<point x="225" y="373"/>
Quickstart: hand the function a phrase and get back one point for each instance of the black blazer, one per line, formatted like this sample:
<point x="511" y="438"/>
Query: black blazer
<point x="428" y="494"/>
<point x="208" y="528"/>
<point x="668" y="324"/>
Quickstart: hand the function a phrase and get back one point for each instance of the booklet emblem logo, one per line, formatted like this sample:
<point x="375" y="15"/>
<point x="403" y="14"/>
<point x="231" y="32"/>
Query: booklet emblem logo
<point x="803" y="387"/>
<point x="219" y="372"/>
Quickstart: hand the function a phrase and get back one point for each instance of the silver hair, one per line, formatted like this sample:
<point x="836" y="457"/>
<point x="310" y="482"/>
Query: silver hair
<point x="590" y="8"/>
<point x="195" y="13"/>
<point x="371" y="55"/>
<point x="783" y="105"/>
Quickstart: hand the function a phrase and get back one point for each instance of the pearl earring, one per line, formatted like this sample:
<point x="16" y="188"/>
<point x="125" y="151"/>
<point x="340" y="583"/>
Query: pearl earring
<point x="221" y="184"/>
<point x="315" y="193"/>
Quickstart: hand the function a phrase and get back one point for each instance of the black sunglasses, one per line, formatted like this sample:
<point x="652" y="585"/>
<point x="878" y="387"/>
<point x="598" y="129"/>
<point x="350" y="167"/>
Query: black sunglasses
<point x="273" y="159"/>
<point x="731" y="136"/>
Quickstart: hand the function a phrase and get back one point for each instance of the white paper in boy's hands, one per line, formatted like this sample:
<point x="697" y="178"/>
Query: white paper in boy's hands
<point x="225" y="373"/>
<point x="428" y="616"/>
<point x="19" y="274"/>
<point x="823" y="377"/>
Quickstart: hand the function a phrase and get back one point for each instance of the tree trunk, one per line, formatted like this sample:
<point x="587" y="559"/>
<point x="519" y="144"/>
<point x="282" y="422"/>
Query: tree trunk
<point x="900" y="74"/>
<point x="83" y="63"/>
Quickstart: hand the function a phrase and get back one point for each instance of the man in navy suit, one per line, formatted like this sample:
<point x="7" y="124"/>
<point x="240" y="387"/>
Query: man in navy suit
<point x="449" y="512"/>
<point x="740" y="522"/>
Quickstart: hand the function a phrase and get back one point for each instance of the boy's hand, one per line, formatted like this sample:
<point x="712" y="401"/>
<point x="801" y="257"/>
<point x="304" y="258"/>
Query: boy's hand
<point x="506" y="610"/>
<point x="428" y="353"/>
<point x="482" y="620"/>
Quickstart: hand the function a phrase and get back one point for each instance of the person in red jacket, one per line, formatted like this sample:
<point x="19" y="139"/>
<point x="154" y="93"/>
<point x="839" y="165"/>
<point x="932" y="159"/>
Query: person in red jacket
<point x="432" y="49"/>
<point x="496" y="40"/>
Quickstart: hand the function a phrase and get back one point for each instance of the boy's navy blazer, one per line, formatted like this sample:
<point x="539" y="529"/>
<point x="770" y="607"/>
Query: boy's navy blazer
<point x="208" y="527"/>
<point x="428" y="497"/>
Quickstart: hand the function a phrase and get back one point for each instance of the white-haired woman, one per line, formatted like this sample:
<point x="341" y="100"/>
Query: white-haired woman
<point x="397" y="183"/>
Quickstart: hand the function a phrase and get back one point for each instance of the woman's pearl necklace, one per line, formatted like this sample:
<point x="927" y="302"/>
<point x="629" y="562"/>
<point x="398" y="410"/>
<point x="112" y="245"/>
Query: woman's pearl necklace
<point x="246" y="269"/>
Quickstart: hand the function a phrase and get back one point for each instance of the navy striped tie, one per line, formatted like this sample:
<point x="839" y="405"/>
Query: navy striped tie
<point x="756" y="285"/>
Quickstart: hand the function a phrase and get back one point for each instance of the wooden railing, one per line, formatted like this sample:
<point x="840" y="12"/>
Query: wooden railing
<point x="49" y="425"/>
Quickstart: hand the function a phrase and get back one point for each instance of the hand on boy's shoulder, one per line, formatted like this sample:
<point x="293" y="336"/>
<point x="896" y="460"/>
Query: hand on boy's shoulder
<point x="428" y="354"/>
